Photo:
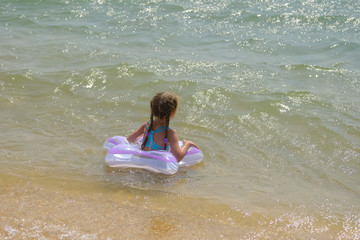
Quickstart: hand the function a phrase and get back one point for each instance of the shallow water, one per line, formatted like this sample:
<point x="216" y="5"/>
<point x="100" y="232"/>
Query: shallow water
<point x="270" y="93"/>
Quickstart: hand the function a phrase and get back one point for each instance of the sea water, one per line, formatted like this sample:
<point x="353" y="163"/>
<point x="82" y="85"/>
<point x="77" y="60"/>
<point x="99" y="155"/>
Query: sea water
<point x="270" y="92"/>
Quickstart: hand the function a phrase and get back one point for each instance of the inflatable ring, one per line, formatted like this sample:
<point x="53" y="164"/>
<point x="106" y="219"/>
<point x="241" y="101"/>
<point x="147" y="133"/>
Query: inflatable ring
<point x="122" y="154"/>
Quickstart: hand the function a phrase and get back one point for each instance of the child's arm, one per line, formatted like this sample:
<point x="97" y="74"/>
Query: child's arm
<point x="137" y="133"/>
<point x="178" y="152"/>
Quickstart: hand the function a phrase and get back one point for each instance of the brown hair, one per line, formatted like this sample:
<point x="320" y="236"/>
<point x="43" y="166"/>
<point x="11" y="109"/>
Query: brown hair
<point x="162" y="105"/>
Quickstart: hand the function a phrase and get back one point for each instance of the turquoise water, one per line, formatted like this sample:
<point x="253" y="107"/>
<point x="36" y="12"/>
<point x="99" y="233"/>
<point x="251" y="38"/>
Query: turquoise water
<point x="270" y="93"/>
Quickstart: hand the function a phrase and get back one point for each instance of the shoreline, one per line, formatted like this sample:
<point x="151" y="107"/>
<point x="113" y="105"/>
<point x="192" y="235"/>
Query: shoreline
<point x="33" y="210"/>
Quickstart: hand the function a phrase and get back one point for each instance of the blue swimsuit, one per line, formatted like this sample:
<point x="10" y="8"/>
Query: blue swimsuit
<point x="150" y="140"/>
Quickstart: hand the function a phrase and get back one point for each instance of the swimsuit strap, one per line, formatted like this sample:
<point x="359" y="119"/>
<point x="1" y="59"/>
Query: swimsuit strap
<point x="159" y="129"/>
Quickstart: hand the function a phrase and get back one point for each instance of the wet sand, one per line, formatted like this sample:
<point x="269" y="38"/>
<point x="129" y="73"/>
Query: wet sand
<point x="35" y="212"/>
<point x="30" y="210"/>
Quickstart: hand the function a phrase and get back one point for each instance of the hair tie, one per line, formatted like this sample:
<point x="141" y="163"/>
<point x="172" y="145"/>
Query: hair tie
<point x="165" y="140"/>
<point x="147" y="134"/>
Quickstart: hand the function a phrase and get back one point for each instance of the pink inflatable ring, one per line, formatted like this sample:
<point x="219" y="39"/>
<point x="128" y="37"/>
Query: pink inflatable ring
<point x="122" y="154"/>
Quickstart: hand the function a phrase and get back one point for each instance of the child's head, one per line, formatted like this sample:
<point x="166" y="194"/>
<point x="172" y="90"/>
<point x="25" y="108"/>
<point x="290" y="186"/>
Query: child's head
<point x="163" y="105"/>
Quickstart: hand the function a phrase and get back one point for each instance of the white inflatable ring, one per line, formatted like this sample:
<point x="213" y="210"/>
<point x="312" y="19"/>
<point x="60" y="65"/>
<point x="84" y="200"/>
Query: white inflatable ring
<point x="122" y="154"/>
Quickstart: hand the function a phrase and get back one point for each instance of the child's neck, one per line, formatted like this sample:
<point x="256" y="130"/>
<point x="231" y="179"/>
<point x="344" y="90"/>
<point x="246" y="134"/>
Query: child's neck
<point x="159" y="121"/>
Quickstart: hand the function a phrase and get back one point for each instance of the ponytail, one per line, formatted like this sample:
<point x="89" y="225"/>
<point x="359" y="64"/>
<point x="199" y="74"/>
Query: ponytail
<point x="166" y="130"/>
<point x="148" y="128"/>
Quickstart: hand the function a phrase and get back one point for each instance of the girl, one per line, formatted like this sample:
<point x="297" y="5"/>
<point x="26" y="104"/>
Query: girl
<point x="156" y="132"/>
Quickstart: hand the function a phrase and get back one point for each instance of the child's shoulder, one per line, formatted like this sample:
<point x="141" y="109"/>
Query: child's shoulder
<point x="143" y="126"/>
<point x="172" y="132"/>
